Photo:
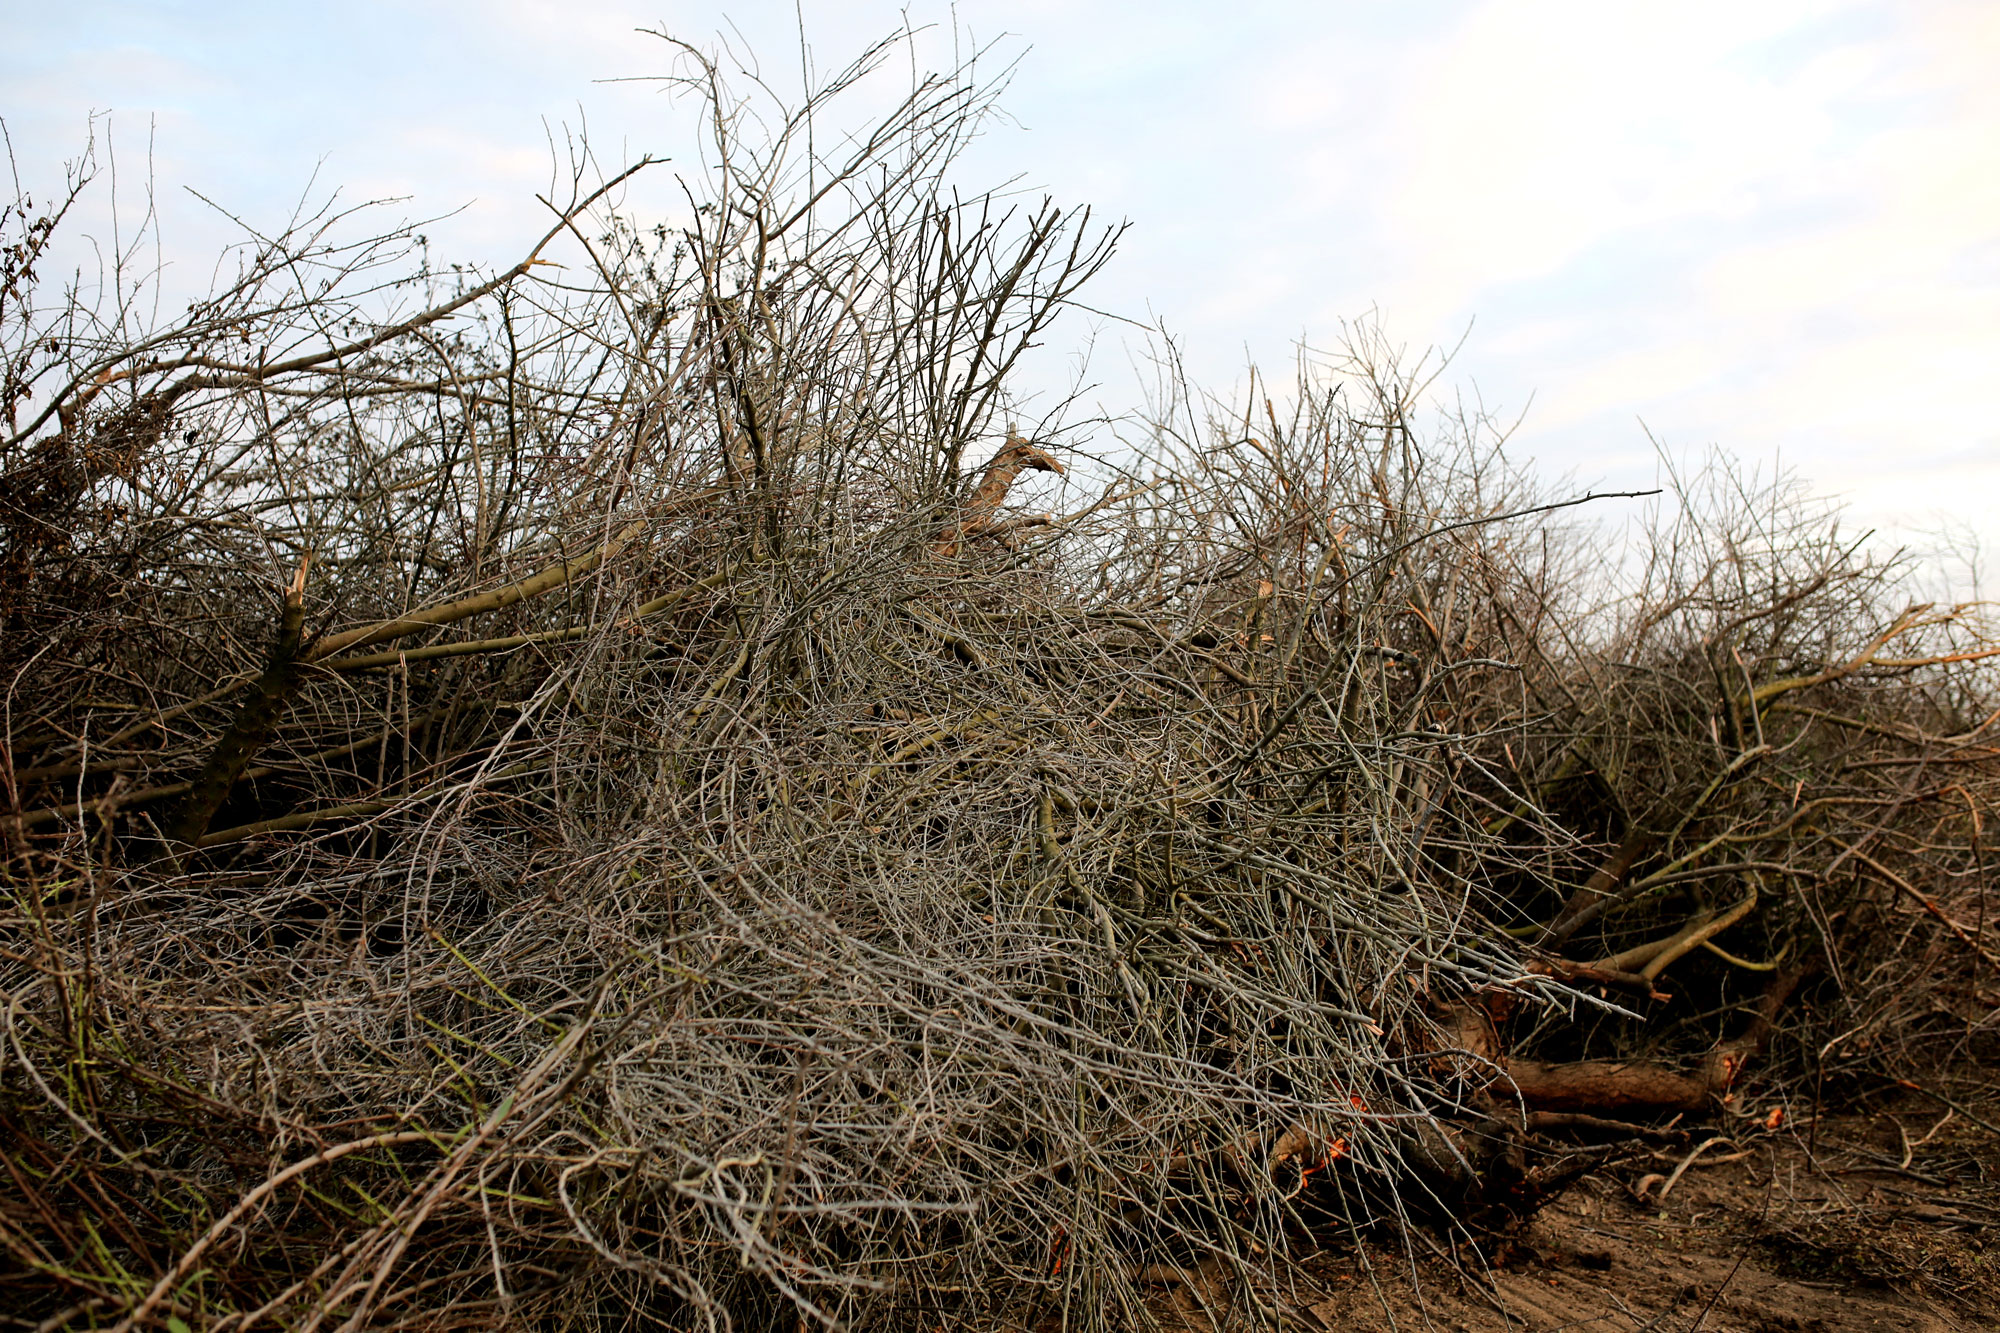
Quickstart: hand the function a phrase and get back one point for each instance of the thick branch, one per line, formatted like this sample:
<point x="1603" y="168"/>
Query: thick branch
<point x="555" y="576"/>
<point x="253" y="724"/>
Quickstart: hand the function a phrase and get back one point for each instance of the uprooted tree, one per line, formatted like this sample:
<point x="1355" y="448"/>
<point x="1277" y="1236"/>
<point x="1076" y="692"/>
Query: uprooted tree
<point x="580" y="789"/>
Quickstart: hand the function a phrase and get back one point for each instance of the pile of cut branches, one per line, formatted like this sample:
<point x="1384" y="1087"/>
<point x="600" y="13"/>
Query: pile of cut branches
<point x="543" y="796"/>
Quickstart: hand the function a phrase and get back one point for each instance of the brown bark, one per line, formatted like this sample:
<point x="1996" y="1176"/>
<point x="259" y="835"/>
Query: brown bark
<point x="1636" y="1087"/>
<point x="1607" y="1087"/>
<point x="252" y="725"/>
<point x="1539" y="1121"/>
<point x="1577" y="912"/>
<point x="1597" y="975"/>
<point x="1020" y="455"/>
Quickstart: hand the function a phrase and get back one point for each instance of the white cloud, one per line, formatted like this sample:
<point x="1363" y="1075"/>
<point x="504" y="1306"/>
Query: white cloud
<point x="1544" y="128"/>
<point x="1772" y="227"/>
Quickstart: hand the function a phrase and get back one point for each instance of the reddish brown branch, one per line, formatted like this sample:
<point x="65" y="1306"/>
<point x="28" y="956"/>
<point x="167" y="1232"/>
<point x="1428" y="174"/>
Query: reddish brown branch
<point x="1020" y="455"/>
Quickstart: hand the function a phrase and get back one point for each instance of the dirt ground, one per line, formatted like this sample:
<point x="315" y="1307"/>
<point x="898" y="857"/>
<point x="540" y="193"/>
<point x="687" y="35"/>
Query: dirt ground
<point x="1890" y="1221"/>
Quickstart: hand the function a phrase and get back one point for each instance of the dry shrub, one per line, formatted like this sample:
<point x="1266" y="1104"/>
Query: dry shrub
<point x="1777" y="738"/>
<point x="563" y="799"/>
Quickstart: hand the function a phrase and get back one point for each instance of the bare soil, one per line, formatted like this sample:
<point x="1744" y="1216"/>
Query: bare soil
<point x="1865" y="1225"/>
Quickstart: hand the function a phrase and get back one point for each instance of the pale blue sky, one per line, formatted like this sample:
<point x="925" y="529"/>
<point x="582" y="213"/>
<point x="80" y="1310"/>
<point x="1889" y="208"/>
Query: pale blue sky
<point x="1772" y="225"/>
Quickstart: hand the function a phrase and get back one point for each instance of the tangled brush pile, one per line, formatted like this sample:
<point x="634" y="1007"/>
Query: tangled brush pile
<point x="574" y="800"/>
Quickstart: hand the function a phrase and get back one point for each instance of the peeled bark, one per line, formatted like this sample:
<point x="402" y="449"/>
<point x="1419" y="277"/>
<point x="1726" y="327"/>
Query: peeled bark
<point x="1019" y="455"/>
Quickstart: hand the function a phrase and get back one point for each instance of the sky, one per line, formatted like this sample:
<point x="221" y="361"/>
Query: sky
<point x="1768" y="226"/>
